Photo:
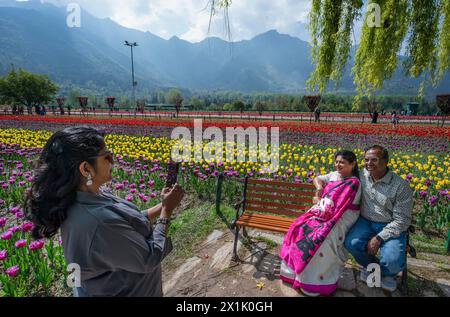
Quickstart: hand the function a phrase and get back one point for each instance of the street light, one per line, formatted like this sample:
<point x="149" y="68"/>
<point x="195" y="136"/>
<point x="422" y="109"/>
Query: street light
<point x="134" y="83"/>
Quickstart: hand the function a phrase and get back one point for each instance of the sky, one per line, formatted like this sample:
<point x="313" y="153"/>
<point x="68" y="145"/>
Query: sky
<point x="189" y="19"/>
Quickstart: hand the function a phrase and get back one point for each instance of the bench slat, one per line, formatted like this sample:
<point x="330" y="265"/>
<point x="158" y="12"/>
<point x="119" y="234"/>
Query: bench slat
<point x="260" y="217"/>
<point x="279" y="197"/>
<point x="277" y="211"/>
<point x="281" y="206"/>
<point x="281" y="184"/>
<point x="259" y="189"/>
<point x="261" y="223"/>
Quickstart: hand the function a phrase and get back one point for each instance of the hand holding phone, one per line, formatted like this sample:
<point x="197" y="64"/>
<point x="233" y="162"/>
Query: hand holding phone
<point x="172" y="174"/>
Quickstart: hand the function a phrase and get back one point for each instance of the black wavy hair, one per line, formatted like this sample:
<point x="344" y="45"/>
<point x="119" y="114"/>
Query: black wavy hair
<point x="350" y="157"/>
<point x="57" y="177"/>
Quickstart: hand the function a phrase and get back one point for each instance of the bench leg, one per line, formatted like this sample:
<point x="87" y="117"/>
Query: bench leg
<point x="244" y="232"/>
<point x="404" y="285"/>
<point x="236" y="238"/>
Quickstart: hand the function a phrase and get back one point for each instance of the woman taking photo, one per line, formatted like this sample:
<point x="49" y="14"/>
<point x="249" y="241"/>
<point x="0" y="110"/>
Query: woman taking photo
<point x="313" y="253"/>
<point x="113" y="242"/>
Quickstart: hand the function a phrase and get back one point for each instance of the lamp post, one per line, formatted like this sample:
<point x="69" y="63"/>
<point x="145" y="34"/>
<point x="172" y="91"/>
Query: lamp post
<point x="134" y="83"/>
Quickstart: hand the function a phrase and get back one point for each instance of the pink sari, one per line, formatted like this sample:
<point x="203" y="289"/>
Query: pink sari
<point x="307" y="233"/>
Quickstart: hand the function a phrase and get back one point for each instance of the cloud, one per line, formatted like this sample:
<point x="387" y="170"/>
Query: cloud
<point x="189" y="19"/>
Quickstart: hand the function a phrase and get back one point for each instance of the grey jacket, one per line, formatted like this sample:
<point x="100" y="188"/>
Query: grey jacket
<point x="113" y="242"/>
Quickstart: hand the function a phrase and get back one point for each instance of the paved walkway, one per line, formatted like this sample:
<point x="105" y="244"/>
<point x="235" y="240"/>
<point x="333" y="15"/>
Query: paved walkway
<point x="211" y="272"/>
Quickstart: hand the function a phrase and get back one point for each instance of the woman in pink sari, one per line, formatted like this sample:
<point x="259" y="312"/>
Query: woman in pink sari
<point x="313" y="253"/>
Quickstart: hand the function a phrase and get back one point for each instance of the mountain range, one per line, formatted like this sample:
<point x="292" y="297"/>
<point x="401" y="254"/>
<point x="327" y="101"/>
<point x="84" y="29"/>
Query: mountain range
<point x="35" y="36"/>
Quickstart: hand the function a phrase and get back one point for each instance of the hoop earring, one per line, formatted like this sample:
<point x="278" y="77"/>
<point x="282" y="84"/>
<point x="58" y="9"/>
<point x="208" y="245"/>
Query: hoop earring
<point x="89" y="180"/>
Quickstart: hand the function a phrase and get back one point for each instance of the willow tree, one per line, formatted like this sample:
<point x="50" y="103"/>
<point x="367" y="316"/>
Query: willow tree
<point x="423" y="25"/>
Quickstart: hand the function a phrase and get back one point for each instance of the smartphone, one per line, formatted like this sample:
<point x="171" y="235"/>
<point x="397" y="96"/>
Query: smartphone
<point x="172" y="174"/>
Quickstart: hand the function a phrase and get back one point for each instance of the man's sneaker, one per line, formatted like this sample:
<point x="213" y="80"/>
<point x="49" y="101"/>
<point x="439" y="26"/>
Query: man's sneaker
<point x="364" y="275"/>
<point x="389" y="283"/>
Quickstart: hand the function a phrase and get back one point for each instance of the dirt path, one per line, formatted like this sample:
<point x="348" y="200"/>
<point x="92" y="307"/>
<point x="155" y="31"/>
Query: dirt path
<point x="211" y="272"/>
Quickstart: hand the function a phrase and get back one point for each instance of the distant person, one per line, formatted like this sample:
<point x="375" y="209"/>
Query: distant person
<point x="394" y="119"/>
<point x="317" y="114"/>
<point x="374" y="116"/>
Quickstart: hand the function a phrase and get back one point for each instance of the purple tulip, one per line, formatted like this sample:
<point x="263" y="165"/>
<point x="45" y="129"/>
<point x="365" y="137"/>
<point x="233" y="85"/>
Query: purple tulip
<point x="3" y="222"/>
<point x="153" y="195"/>
<point x="21" y="243"/>
<point x="20" y="215"/>
<point x="151" y="183"/>
<point x="423" y="194"/>
<point x="409" y="177"/>
<point x="2" y="202"/>
<point x="27" y="227"/>
<point x="130" y="198"/>
<point x="3" y="255"/>
<point x="21" y="183"/>
<point x="14" y="229"/>
<point x="443" y="192"/>
<point x="5" y="186"/>
<point x="133" y="191"/>
<point x="13" y="271"/>
<point x="7" y="235"/>
<point x="133" y="186"/>
<point x="36" y="245"/>
<point x="15" y="210"/>
<point x="433" y="201"/>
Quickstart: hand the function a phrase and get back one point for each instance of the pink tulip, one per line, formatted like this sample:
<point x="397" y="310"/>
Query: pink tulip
<point x="3" y="255"/>
<point x="130" y="198"/>
<point x="7" y="235"/>
<point x="36" y="245"/>
<point x="14" y="229"/>
<point x="13" y="271"/>
<point x="3" y="222"/>
<point x="21" y="243"/>
<point x="27" y="226"/>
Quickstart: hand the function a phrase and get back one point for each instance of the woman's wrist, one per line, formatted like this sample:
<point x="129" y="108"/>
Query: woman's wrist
<point x="165" y="213"/>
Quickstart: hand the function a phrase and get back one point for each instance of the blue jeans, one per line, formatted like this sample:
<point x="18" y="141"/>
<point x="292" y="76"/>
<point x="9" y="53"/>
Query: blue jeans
<point x="393" y="251"/>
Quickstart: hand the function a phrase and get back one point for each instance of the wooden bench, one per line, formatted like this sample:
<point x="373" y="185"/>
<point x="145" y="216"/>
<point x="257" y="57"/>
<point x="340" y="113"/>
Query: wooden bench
<point x="274" y="205"/>
<point x="270" y="205"/>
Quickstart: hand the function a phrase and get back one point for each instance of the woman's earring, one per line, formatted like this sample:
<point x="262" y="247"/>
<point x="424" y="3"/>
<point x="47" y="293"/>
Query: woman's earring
<point x="89" y="181"/>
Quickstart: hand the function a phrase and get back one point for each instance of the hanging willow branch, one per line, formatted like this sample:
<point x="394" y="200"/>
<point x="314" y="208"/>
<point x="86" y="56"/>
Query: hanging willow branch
<point x="331" y="24"/>
<point x="444" y="47"/>
<point x="423" y="41"/>
<point x="214" y="7"/>
<point x="376" y="58"/>
<point x="427" y="23"/>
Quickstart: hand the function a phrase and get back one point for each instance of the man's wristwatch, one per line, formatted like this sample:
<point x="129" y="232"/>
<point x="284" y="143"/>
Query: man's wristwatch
<point x="164" y="221"/>
<point x="379" y="239"/>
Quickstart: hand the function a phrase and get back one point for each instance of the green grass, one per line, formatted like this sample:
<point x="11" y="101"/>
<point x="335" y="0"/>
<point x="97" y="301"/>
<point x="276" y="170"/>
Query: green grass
<point x="191" y="227"/>
<point x="426" y="244"/>
<point x="270" y="244"/>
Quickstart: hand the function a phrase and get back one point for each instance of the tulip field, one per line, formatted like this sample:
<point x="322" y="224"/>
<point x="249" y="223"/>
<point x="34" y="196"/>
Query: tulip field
<point x="418" y="153"/>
